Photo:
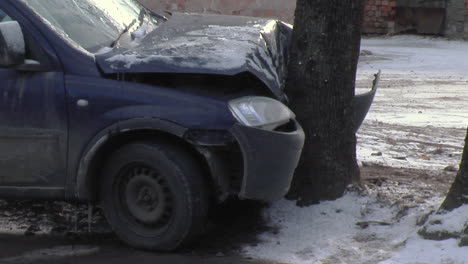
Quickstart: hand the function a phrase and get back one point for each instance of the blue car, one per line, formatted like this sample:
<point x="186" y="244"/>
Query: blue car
<point x="154" y="116"/>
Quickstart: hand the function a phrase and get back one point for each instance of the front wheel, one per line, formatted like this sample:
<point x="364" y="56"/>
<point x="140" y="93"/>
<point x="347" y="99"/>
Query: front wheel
<point x="153" y="195"/>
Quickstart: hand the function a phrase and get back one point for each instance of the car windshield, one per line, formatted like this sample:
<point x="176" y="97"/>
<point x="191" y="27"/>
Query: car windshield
<point x="92" y="24"/>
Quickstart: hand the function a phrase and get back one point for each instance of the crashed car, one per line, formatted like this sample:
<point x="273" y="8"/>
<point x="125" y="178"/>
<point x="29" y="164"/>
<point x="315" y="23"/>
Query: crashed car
<point x="153" y="116"/>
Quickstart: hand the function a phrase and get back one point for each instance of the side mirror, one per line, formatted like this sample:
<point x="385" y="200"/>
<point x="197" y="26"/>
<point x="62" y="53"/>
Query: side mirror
<point x="12" y="44"/>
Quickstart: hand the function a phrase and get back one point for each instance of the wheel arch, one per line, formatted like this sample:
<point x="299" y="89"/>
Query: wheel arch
<point x="114" y="137"/>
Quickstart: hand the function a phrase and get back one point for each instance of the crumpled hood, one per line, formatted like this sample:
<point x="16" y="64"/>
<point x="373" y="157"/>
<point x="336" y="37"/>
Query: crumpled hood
<point x="208" y="44"/>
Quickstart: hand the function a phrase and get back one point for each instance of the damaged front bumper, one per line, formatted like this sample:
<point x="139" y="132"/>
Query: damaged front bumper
<point x="363" y="102"/>
<point x="270" y="158"/>
<point x="251" y="163"/>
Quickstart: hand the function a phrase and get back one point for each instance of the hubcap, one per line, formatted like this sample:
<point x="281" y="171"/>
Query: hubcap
<point x="147" y="196"/>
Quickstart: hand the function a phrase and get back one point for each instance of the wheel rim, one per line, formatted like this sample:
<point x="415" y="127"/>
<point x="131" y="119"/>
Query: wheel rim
<point x="146" y="196"/>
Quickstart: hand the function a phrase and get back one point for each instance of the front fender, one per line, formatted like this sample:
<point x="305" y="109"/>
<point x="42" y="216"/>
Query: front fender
<point x="110" y="104"/>
<point x="83" y="182"/>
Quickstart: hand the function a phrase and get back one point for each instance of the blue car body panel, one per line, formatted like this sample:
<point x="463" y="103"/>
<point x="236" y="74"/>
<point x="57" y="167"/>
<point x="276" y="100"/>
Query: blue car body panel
<point x="33" y="130"/>
<point x="46" y="106"/>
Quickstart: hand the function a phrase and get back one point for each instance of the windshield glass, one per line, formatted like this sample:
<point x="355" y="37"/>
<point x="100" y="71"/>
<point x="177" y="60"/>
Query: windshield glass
<point x="92" y="24"/>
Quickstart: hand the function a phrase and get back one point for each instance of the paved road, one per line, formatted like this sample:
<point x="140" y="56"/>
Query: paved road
<point x="19" y="249"/>
<point x="231" y="226"/>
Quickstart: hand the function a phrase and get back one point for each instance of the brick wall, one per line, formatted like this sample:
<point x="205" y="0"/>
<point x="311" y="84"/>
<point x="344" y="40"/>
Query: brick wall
<point x="379" y="16"/>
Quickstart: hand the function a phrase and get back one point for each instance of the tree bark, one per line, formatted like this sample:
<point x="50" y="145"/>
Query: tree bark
<point x="458" y="194"/>
<point x="321" y="83"/>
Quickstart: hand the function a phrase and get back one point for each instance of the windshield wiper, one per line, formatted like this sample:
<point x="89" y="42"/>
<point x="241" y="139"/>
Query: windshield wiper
<point x="144" y="12"/>
<point x="141" y="19"/>
<point x="142" y="16"/>
<point x="126" y="29"/>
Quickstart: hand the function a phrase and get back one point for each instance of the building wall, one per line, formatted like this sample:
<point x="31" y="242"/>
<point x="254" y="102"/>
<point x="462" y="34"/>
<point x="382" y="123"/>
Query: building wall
<point x="456" y="18"/>
<point x="281" y="9"/>
<point x="444" y="17"/>
<point x="447" y="17"/>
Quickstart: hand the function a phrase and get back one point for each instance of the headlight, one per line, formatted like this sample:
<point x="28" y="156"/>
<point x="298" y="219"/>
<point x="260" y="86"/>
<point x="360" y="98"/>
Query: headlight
<point x="261" y="112"/>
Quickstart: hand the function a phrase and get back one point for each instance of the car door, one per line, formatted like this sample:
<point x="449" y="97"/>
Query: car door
<point x="33" y="126"/>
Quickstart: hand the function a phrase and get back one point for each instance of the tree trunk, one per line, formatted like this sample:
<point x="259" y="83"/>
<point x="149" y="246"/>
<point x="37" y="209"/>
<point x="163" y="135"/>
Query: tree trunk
<point x="321" y="83"/>
<point x="458" y="194"/>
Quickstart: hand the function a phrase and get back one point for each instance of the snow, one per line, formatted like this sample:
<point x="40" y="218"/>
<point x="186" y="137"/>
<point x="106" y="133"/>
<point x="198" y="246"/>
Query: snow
<point x="453" y="221"/>
<point x="103" y="50"/>
<point x="14" y="41"/>
<point x="230" y="53"/>
<point x="224" y="48"/>
<point x="328" y="232"/>
<point x="31" y="62"/>
<point x="421" y="104"/>
<point x="418" y="121"/>
<point x="419" y="251"/>
<point x="419" y="55"/>
<point x="140" y="32"/>
<point x="227" y="56"/>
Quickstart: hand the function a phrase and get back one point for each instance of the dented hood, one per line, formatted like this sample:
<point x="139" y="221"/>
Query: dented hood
<point x="208" y="44"/>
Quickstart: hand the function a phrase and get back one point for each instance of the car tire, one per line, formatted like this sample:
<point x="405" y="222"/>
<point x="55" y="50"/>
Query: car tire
<point x="154" y="196"/>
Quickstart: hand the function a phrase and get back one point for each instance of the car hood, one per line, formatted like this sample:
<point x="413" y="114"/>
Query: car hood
<point x="208" y="44"/>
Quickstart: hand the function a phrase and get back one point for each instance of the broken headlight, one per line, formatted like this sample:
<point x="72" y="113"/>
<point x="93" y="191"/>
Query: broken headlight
<point x="261" y="112"/>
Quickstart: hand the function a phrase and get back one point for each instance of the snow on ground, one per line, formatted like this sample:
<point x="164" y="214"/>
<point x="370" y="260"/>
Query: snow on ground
<point x="417" y="55"/>
<point x="354" y="229"/>
<point x="428" y="251"/>
<point x="417" y="122"/>
<point x="419" y="117"/>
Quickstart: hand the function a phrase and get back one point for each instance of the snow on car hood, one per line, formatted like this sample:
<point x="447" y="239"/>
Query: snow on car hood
<point x="208" y="44"/>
